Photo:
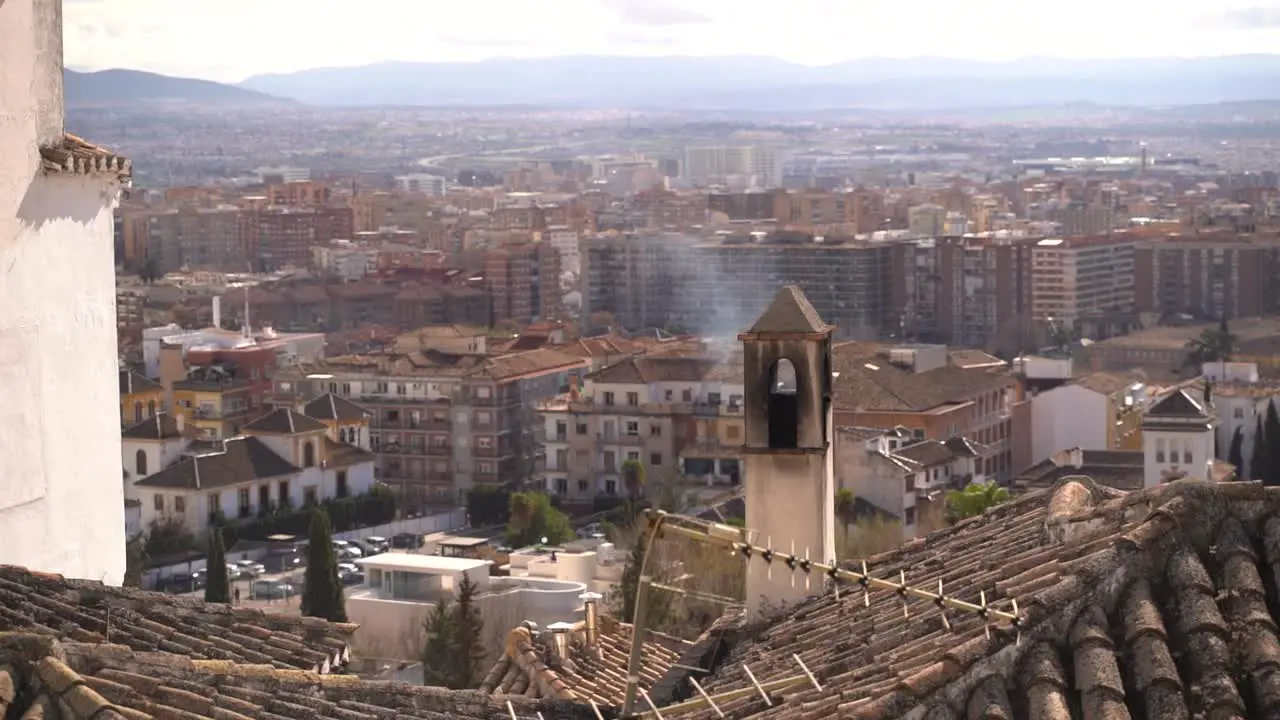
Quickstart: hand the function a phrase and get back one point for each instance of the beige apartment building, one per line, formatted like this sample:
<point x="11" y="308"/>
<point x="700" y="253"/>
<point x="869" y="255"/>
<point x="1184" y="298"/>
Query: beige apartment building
<point x="446" y="414"/>
<point x="1081" y="281"/>
<point x="676" y="416"/>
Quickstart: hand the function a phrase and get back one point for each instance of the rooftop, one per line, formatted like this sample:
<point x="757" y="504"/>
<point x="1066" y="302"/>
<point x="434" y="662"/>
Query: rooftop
<point x="412" y="562"/>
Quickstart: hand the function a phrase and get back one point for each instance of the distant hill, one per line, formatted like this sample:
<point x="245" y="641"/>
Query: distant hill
<point x="761" y="83"/>
<point x="121" y="87"/>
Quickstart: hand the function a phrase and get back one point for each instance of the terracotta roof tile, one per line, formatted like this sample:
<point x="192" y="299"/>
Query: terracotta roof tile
<point x="790" y="312"/>
<point x="527" y="667"/>
<point x="75" y="156"/>
<point x="237" y="460"/>
<point x="333" y="407"/>
<point x="1098" y="639"/>
<point x="285" y="421"/>
<point x="131" y="383"/>
<point x="91" y="612"/>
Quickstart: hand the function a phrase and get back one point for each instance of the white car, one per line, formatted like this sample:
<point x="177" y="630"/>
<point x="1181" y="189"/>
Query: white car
<point x="344" y="549"/>
<point x="250" y="568"/>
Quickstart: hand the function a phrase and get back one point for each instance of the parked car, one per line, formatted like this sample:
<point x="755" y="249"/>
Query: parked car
<point x="270" y="590"/>
<point x="377" y="544"/>
<point x="248" y="568"/>
<point x="285" y="561"/>
<point x="406" y="541"/>
<point x="348" y="567"/>
<point x="352" y="578"/>
<point x="347" y="549"/>
<point x="590" y="530"/>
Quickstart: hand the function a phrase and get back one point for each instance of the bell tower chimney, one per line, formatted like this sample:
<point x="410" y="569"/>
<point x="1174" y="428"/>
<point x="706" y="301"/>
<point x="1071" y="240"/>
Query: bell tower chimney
<point x="789" y="479"/>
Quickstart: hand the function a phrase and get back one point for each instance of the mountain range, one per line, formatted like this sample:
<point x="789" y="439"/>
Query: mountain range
<point x="125" y="87"/>
<point x="745" y="83"/>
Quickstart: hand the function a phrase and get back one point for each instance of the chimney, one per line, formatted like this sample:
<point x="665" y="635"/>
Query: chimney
<point x="559" y="645"/>
<point x="573" y="388"/>
<point x="1077" y="458"/>
<point x="181" y="420"/>
<point x="1208" y="392"/>
<point x="590" y="610"/>
<point x="217" y="311"/>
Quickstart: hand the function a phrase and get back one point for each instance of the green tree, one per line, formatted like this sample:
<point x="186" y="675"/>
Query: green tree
<point x="974" y="500"/>
<point x="845" y="506"/>
<point x="468" y="646"/>
<point x="437" y="655"/>
<point x="670" y="496"/>
<point x="633" y="479"/>
<point x="623" y="601"/>
<point x="1235" y="455"/>
<point x="150" y="271"/>
<point x="1258" y="461"/>
<point x="322" y="595"/>
<point x="1213" y="345"/>
<point x="217" y="587"/>
<point x="1271" y="446"/>
<point x="533" y="518"/>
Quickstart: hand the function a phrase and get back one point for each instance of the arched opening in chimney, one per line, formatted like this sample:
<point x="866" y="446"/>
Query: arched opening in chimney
<point x="784" y="405"/>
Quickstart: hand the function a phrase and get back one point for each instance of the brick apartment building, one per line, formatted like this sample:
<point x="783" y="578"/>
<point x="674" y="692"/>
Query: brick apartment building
<point x="446" y="416"/>
<point x="276" y="237"/>
<point x="1208" y="275"/>
<point x="523" y="282"/>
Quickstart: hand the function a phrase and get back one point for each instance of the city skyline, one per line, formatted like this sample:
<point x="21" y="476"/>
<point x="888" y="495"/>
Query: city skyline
<point x="154" y="35"/>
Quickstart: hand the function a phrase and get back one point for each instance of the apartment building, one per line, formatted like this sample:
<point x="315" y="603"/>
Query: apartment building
<point x="967" y="291"/>
<point x="847" y="281"/>
<point x="638" y="279"/>
<point x="733" y="164"/>
<point x="278" y="237"/>
<point x="1207" y="275"/>
<point x="524" y="282"/>
<point x="444" y="417"/>
<point x="1082" y="280"/>
<point x="675" y="416"/>
<point x="197" y="238"/>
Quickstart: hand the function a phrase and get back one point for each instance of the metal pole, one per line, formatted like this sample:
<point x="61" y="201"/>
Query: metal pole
<point x="641" y="613"/>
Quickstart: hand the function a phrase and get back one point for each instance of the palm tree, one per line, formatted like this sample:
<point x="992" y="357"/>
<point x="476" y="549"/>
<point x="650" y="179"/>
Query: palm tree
<point x="975" y="499"/>
<point x="633" y="479"/>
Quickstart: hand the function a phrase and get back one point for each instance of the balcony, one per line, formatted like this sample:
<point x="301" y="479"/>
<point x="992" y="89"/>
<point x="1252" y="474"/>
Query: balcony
<point x="204" y="413"/>
<point x="439" y="450"/>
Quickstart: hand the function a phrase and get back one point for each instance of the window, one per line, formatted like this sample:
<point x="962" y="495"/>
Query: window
<point x="686" y="395"/>
<point x="151" y="408"/>
<point x="611" y="487"/>
<point x="911" y="483"/>
<point x="667" y="396"/>
<point x="655" y="459"/>
<point x="309" y="495"/>
<point x="484" y="418"/>
<point x="140" y="462"/>
<point x="283" y="493"/>
<point x="633" y="399"/>
<point x="608" y="398"/>
<point x="1237" y="413"/>
<point x="482" y="391"/>
<point x="562" y="486"/>
<point x="1160" y="447"/>
<point x="562" y="429"/>
<point x="633" y="428"/>
<point x="264" y="498"/>
<point x="582" y="486"/>
<point x="633" y="455"/>
<point x="215" y="504"/>
<point x="484" y="442"/>
<point x="582" y="428"/>
<point x="309" y="454"/>
<point x="909" y="516"/>
<point x="159" y="502"/>
<point x="341" y="489"/>
<point x="1186" y="452"/>
<point x="485" y="468"/>
<point x="242" y="502"/>
<point x="655" y="431"/>
<point x="137" y="411"/>
<point x="179" y="504"/>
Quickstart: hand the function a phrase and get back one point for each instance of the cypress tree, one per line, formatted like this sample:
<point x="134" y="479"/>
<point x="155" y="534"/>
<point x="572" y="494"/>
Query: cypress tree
<point x="322" y="595"/>
<point x="1235" y="455"/>
<point x="1271" y="449"/>
<point x="217" y="587"/>
<point x="1258" y="461"/>
<point x="437" y="655"/>
<point x="468" y="647"/>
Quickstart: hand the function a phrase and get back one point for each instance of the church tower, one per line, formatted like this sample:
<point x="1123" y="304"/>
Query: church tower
<point x="789" y="479"/>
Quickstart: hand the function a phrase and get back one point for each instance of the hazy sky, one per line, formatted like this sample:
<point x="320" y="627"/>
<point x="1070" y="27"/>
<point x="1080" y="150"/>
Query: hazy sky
<point x="229" y="40"/>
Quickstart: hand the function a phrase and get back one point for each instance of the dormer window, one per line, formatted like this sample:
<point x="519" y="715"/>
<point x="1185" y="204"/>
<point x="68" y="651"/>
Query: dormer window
<point x="309" y="454"/>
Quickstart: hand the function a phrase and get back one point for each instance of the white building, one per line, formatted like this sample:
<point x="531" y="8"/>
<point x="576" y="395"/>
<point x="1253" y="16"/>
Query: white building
<point x="903" y="476"/>
<point x="61" y="506"/>
<point x="291" y="348"/>
<point x="344" y="260"/>
<point x="1177" y="440"/>
<point x="285" y="458"/>
<point x="425" y="183"/>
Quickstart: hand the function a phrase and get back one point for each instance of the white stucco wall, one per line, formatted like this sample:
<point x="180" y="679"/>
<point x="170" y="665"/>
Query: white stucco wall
<point x="1067" y="417"/>
<point x="61" y="499"/>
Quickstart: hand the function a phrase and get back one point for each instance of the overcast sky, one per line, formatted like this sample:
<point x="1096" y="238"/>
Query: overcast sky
<point x="229" y="40"/>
